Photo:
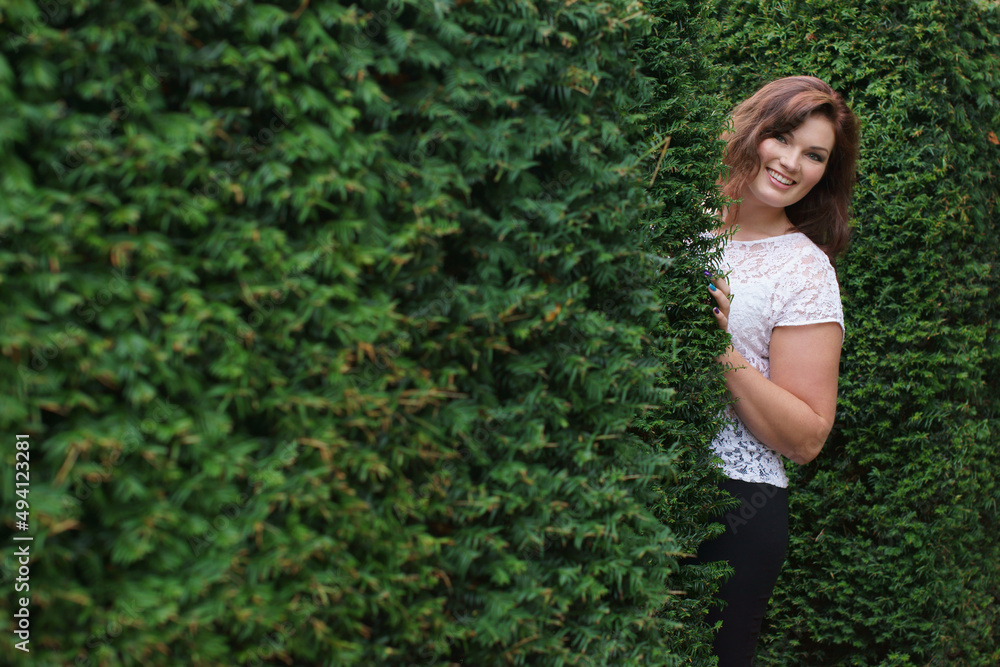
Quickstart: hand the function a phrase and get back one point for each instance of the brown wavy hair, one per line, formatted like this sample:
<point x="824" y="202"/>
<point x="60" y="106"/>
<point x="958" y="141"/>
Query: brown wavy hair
<point x="778" y="107"/>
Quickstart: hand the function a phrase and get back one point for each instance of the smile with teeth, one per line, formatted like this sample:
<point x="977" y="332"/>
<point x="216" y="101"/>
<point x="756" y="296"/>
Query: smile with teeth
<point x="781" y="179"/>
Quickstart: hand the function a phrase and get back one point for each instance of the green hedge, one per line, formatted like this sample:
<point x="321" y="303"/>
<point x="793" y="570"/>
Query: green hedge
<point x="895" y="552"/>
<point x="686" y="123"/>
<point x="329" y="324"/>
<point x="376" y="334"/>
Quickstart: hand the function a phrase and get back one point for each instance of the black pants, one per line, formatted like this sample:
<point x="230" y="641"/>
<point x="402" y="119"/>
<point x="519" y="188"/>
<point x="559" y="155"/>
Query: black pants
<point x="754" y="543"/>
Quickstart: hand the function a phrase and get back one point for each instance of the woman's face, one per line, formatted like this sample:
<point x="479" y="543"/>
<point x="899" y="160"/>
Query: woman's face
<point x="793" y="162"/>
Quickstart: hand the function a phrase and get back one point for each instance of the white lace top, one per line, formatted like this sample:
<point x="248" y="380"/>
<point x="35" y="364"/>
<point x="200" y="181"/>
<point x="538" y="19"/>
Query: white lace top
<point x="778" y="281"/>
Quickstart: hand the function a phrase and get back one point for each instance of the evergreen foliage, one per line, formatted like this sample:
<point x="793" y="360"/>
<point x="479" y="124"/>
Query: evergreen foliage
<point x="376" y="333"/>
<point x="895" y="550"/>
<point x="685" y="124"/>
<point x="328" y="323"/>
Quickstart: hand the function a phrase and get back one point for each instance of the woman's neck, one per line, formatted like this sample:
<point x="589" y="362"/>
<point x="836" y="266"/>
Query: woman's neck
<point x="753" y="223"/>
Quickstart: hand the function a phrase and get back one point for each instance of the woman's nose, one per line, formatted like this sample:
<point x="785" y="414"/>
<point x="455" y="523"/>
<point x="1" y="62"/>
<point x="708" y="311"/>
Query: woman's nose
<point x="789" y="160"/>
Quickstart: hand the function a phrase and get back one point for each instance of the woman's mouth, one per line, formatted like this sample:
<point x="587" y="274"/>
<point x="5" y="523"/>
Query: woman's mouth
<point x="778" y="178"/>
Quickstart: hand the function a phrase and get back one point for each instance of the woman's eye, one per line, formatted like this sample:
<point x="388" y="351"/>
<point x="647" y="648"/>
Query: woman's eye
<point x="781" y="138"/>
<point x="816" y="156"/>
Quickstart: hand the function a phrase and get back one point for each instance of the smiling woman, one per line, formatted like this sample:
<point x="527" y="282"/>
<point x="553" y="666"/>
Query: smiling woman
<point x="791" y="155"/>
<point x="793" y="162"/>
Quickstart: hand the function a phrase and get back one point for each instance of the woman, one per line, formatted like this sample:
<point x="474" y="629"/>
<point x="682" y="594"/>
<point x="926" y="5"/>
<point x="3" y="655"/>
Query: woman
<point x="791" y="156"/>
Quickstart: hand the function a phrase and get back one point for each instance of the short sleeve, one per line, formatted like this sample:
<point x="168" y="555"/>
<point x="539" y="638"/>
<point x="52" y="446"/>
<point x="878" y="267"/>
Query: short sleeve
<point x="810" y="293"/>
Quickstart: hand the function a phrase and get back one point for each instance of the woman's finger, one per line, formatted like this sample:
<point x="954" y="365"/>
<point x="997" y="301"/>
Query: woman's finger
<point x="718" y="287"/>
<point x="720" y="283"/>
<point x="721" y="298"/>
<point x="721" y="318"/>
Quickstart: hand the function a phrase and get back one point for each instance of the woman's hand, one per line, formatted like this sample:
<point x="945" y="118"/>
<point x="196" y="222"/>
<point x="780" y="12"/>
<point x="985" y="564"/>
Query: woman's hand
<point x="719" y="289"/>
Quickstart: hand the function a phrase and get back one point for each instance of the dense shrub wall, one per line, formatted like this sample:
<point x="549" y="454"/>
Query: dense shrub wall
<point x="895" y="555"/>
<point x="376" y="334"/>
<point x="328" y="322"/>
<point x="685" y="123"/>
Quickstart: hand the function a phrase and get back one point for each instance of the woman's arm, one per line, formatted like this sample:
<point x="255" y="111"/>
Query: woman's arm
<point x="793" y="411"/>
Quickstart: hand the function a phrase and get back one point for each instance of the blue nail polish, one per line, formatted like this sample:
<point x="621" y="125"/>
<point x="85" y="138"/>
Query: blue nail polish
<point x="711" y="287"/>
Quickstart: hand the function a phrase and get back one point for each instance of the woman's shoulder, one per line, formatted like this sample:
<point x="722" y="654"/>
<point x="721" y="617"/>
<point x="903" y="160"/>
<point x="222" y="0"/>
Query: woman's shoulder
<point x="808" y="270"/>
<point x="810" y="253"/>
